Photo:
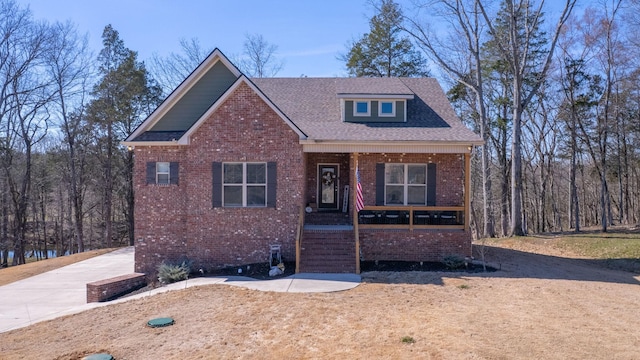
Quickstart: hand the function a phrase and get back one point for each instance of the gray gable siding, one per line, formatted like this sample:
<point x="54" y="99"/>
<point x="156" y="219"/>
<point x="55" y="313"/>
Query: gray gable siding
<point x="374" y="118"/>
<point x="197" y="100"/>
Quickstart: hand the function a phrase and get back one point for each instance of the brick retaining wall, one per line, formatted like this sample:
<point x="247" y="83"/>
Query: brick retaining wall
<point x="109" y="289"/>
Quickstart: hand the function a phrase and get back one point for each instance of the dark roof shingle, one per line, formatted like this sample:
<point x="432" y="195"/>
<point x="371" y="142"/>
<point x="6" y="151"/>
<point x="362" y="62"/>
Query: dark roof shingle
<point x="313" y="105"/>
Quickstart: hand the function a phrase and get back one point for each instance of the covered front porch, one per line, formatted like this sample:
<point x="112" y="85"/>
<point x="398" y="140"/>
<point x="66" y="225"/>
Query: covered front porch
<point x="424" y="217"/>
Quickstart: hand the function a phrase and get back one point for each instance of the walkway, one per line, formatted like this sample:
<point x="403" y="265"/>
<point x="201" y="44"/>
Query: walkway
<point x="63" y="291"/>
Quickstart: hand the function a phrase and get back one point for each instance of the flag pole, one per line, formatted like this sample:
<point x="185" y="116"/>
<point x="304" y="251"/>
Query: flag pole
<point x="356" y="230"/>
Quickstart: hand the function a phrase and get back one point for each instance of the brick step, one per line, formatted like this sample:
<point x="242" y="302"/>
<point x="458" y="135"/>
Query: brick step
<point x="321" y="218"/>
<point x="328" y="246"/>
<point x="328" y="234"/>
<point x="329" y="264"/>
<point x="328" y="267"/>
<point x="324" y="254"/>
<point x="332" y="243"/>
<point x="330" y="251"/>
<point x="328" y="270"/>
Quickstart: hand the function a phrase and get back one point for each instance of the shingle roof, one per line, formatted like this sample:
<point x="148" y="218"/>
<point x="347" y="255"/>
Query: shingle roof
<point x="313" y="105"/>
<point x="384" y="86"/>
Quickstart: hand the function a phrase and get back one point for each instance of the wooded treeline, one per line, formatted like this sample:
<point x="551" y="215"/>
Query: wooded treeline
<point x="65" y="182"/>
<point x="553" y="90"/>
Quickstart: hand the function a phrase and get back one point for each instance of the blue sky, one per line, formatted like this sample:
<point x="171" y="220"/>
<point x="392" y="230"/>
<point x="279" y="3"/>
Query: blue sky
<point x="309" y="34"/>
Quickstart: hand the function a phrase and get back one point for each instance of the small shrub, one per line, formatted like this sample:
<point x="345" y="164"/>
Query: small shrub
<point x="464" y="286"/>
<point x="408" y="340"/>
<point x="453" y="262"/>
<point x="170" y="273"/>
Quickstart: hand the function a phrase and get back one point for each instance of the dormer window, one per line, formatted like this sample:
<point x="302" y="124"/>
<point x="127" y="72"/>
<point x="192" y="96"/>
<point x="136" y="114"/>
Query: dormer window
<point x="372" y="108"/>
<point x="387" y="108"/>
<point x="362" y="108"/>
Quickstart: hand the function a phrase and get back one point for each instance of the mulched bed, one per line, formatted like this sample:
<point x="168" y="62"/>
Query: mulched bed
<point x="403" y="266"/>
<point x="260" y="271"/>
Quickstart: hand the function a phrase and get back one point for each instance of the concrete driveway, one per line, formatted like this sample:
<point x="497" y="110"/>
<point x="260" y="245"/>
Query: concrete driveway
<point x="60" y="291"/>
<point x="64" y="291"/>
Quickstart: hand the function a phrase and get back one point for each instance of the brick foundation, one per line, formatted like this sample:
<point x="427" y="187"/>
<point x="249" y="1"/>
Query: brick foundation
<point x="416" y="245"/>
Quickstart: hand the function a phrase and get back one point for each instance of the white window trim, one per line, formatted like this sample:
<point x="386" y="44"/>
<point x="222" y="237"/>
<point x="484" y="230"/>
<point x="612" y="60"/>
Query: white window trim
<point x="168" y="172"/>
<point x="355" y="108"/>
<point x="406" y="184"/>
<point x="244" y="185"/>
<point x="393" y="108"/>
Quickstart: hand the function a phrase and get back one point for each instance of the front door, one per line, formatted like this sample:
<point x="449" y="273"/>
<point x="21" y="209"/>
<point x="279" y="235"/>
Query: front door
<point x="328" y="186"/>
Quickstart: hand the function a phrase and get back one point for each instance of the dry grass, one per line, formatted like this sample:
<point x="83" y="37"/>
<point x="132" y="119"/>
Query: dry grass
<point x="537" y="307"/>
<point x="15" y="273"/>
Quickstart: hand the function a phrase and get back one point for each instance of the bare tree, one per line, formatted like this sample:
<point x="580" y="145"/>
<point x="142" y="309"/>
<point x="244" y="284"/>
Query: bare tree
<point x="462" y="61"/>
<point x="68" y="62"/>
<point x="23" y="94"/>
<point x="170" y="71"/>
<point x="522" y="24"/>
<point x="259" y="57"/>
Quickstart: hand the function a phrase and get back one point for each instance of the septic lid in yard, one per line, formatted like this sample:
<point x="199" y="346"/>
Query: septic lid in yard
<point x="160" y="322"/>
<point x="102" y="356"/>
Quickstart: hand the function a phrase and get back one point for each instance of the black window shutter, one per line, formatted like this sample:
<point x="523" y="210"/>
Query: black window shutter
<point x="174" y="173"/>
<point x="217" y="185"/>
<point x="151" y="172"/>
<point x="272" y="182"/>
<point x="431" y="184"/>
<point x="380" y="184"/>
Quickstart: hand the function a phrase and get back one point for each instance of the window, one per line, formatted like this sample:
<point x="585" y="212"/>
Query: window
<point x="244" y="184"/>
<point x="361" y="108"/>
<point x="386" y="108"/>
<point x="405" y="184"/>
<point x="162" y="173"/>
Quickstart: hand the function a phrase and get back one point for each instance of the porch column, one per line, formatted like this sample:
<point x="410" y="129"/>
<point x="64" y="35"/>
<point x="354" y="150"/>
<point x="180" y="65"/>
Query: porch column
<point x="354" y="192"/>
<point x="467" y="192"/>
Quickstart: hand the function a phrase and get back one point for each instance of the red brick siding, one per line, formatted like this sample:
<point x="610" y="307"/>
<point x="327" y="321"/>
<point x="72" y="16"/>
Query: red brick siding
<point x="108" y="289"/>
<point x="449" y="175"/>
<point x="416" y="245"/>
<point x="419" y="244"/>
<point x="174" y="223"/>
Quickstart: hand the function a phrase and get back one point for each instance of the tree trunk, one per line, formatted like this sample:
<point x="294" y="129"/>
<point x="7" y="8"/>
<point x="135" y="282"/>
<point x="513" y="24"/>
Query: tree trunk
<point x="573" y="187"/>
<point x="108" y="189"/>
<point x="4" y="224"/>
<point x="76" y="197"/>
<point x="516" y="162"/>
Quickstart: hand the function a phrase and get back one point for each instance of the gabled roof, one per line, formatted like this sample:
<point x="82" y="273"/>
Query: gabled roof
<point x="313" y="104"/>
<point x="312" y="108"/>
<point x="203" y="91"/>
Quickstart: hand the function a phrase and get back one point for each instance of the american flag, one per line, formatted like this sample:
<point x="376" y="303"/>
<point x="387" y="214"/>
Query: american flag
<point x="359" y="199"/>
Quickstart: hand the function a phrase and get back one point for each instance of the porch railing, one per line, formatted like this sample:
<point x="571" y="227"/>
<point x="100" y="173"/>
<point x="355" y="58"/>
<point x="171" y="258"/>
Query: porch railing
<point x="299" y="233"/>
<point x="412" y="217"/>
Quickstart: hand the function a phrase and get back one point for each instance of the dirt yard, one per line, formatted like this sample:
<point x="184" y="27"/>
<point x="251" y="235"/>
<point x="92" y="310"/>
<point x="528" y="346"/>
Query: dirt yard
<point x="539" y="305"/>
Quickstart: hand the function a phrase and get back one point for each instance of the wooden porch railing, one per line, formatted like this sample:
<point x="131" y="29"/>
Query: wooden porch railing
<point x="412" y="217"/>
<point x="299" y="233"/>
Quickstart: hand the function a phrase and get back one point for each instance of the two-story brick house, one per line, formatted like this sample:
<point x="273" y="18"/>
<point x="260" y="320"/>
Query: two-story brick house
<point x="227" y="166"/>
